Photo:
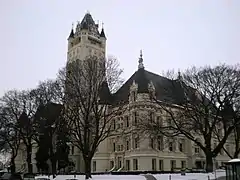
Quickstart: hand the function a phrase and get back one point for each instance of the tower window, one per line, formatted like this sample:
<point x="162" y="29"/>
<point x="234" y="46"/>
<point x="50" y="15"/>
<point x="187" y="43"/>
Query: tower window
<point x="72" y="150"/>
<point x="127" y="121"/>
<point x="135" y="118"/>
<point x="114" y="147"/>
<point x="170" y="146"/>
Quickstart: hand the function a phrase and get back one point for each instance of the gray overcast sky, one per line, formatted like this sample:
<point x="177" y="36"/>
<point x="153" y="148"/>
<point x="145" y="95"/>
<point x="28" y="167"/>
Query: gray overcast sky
<point x="171" y="33"/>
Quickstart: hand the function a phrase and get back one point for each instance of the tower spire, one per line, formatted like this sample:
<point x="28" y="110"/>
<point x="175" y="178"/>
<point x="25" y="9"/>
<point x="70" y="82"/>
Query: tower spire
<point x="102" y="34"/>
<point x="71" y="35"/>
<point x="140" y="61"/>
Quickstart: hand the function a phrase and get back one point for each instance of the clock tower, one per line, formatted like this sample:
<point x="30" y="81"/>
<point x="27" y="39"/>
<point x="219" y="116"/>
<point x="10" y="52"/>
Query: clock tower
<point x="86" y="40"/>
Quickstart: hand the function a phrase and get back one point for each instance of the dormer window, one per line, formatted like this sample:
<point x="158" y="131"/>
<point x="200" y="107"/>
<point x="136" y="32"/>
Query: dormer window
<point x="151" y="90"/>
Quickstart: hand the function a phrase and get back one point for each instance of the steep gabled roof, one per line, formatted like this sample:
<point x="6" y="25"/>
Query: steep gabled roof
<point x="167" y="90"/>
<point x="87" y="21"/>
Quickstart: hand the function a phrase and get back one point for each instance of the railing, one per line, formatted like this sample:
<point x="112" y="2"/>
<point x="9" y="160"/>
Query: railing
<point x="121" y="168"/>
<point x="112" y="169"/>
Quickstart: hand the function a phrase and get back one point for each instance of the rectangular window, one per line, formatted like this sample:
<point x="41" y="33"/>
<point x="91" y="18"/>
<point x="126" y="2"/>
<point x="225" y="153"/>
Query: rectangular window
<point x="197" y="150"/>
<point x="170" y="146"/>
<point x="173" y="164"/>
<point x="154" y="164"/>
<point x="127" y="121"/>
<point x="151" y="117"/>
<point x="135" y="117"/>
<point x="94" y="166"/>
<point x="119" y="162"/>
<point x="160" y="165"/>
<point x="72" y="150"/>
<point x="135" y="164"/>
<point x="114" y="124"/>
<point x="119" y="148"/>
<point x="160" y="144"/>
<point x="127" y="145"/>
<point x="128" y="165"/>
<point x="136" y="143"/>
<point x="114" y="147"/>
<point x="183" y="164"/>
<point x="180" y="147"/>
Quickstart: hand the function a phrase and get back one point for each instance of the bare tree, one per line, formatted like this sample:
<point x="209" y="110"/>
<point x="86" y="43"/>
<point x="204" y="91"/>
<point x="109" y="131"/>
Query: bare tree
<point x="48" y="96"/>
<point x="203" y="94"/>
<point x="9" y="133"/>
<point x="88" y="109"/>
<point x="50" y="124"/>
<point x="232" y="111"/>
<point x="47" y="92"/>
<point x="21" y="108"/>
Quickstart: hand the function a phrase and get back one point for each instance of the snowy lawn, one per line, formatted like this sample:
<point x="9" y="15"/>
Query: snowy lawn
<point x="188" y="176"/>
<point x="98" y="177"/>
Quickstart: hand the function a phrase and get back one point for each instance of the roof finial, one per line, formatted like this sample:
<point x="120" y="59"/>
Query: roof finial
<point x="72" y="25"/>
<point x="140" y="61"/>
<point x="88" y="12"/>
<point x="102" y="25"/>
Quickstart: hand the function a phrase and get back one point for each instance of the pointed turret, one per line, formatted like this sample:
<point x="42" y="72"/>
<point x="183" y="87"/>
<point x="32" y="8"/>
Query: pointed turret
<point x="71" y="34"/>
<point x="102" y="35"/>
<point x="87" y="21"/>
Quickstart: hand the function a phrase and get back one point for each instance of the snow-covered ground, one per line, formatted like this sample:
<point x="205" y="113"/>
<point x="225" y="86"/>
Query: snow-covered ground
<point x="188" y="176"/>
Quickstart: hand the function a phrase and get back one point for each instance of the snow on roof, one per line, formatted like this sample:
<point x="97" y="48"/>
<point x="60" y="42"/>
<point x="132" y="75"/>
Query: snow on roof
<point x="234" y="160"/>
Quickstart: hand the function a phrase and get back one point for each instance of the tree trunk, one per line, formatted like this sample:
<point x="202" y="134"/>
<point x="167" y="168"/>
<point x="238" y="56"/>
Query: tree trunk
<point x="53" y="163"/>
<point x="87" y="162"/>
<point x="13" y="166"/>
<point x="29" y="158"/>
<point x="209" y="162"/>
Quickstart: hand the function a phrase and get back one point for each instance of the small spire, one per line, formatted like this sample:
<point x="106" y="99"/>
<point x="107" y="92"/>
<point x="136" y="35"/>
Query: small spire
<point x="179" y="75"/>
<point x="102" y="25"/>
<point x="72" y="25"/>
<point x="71" y="33"/>
<point x="102" y="34"/>
<point x="140" y="61"/>
<point x="88" y="12"/>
